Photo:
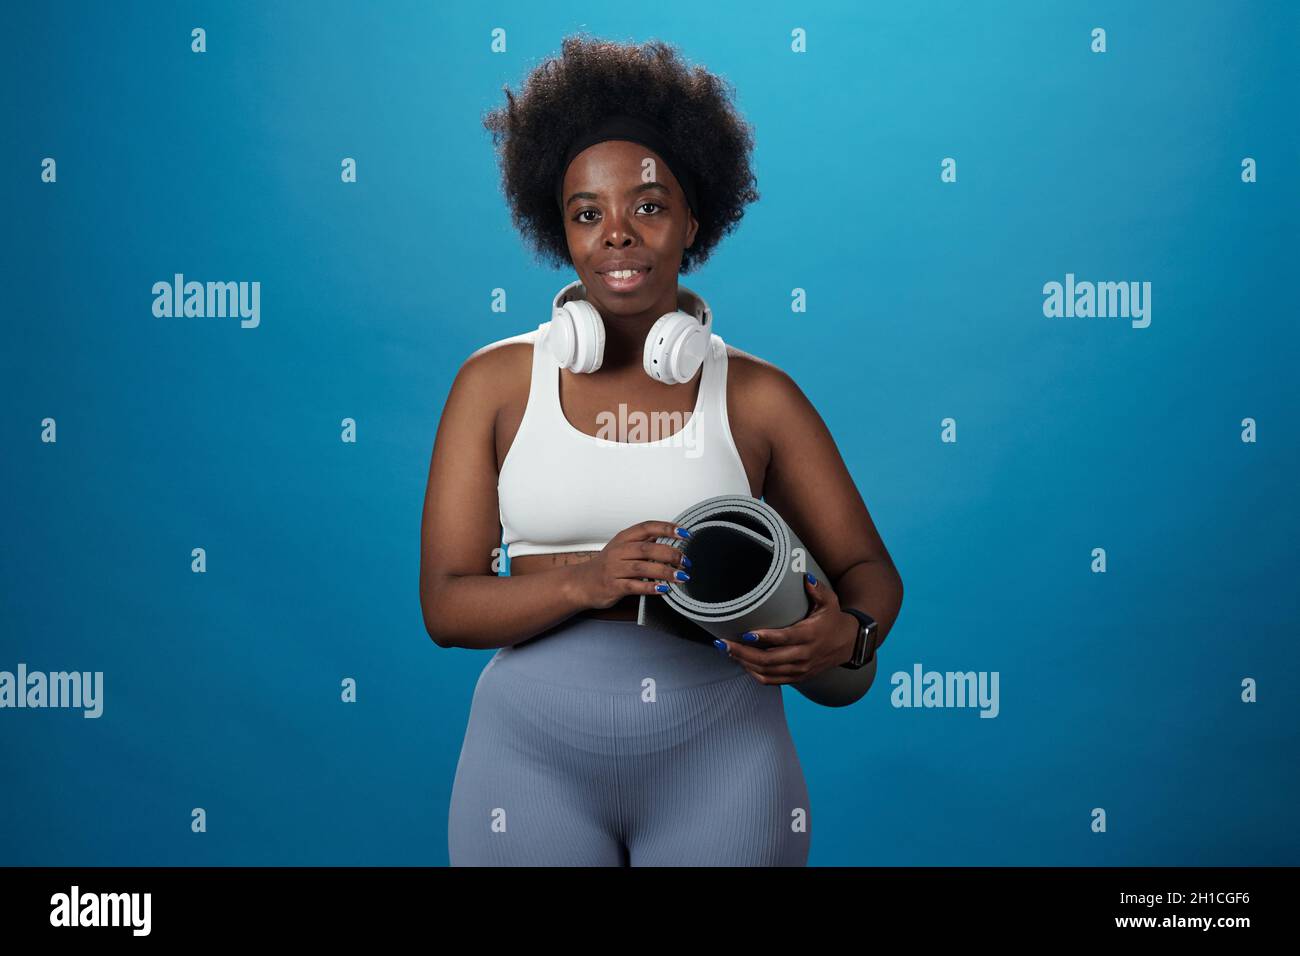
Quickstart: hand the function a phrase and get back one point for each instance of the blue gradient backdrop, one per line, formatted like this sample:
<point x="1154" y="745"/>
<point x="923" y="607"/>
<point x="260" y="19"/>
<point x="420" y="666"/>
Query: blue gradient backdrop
<point x="1118" y="690"/>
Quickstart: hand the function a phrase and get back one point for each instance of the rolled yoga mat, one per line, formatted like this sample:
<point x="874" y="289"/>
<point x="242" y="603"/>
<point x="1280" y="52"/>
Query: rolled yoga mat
<point x="747" y="570"/>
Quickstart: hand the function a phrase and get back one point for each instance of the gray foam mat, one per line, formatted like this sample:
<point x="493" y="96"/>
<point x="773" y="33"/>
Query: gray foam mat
<point x="747" y="570"/>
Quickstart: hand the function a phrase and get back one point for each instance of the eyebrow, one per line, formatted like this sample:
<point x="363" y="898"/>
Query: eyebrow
<point x="652" y="184"/>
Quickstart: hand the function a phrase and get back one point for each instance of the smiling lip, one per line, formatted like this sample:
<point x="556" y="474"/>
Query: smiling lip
<point x="624" y="285"/>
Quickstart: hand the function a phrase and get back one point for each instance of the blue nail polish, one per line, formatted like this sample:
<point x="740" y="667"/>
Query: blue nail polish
<point x="686" y="562"/>
<point x="811" y="579"/>
<point x="749" y="636"/>
<point x="662" y="588"/>
<point x="682" y="576"/>
<point x="720" y="645"/>
<point x="683" y="532"/>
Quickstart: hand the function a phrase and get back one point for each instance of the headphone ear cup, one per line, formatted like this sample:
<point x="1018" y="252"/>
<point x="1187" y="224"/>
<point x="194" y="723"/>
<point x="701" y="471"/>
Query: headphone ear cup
<point x="674" y="349"/>
<point x="577" y="337"/>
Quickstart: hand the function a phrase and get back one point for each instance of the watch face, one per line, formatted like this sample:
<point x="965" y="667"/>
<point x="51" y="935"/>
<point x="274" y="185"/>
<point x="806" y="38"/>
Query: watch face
<point x="860" y="646"/>
<point x="863" y="648"/>
<point x="870" y="647"/>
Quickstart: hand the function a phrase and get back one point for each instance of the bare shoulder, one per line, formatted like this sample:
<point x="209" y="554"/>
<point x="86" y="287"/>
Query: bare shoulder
<point x="503" y="355"/>
<point x="491" y="378"/>
<point x="760" y="385"/>
<point x="498" y="365"/>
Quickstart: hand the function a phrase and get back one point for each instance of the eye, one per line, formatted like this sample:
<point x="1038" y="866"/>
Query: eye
<point x="581" y="212"/>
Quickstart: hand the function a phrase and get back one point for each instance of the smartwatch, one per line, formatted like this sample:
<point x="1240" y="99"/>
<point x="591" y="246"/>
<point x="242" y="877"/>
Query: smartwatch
<point x="865" y="648"/>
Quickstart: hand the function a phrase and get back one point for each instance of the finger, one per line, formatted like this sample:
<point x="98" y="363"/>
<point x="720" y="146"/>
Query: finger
<point x="671" y="554"/>
<point x="649" y="530"/>
<point x="777" y="637"/>
<point x="796" y="666"/>
<point x="817" y="590"/>
<point x="639" y="586"/>
<point x="775" y="657"/>
<point x="764" y="677"/>
<point x="746" y="658"/>
<point x="651" y="569"/>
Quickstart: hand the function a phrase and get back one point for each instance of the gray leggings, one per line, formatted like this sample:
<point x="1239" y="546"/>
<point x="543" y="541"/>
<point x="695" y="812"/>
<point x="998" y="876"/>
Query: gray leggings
<point x="607" y="743"/>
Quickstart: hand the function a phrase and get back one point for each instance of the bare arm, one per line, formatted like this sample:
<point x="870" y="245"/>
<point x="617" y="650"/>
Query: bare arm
<point x="808" y="484"/>
<point x="465" y="603"/>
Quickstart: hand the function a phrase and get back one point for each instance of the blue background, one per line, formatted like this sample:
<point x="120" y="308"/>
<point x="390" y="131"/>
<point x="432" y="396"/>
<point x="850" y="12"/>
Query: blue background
<point x="1118" y="690"/>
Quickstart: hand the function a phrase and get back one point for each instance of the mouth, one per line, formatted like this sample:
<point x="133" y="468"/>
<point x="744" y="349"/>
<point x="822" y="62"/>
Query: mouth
<point x="624" y="280"/>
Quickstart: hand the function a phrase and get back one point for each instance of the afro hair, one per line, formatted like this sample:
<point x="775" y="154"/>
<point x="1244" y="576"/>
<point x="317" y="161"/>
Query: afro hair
<point x="593" y="79"/>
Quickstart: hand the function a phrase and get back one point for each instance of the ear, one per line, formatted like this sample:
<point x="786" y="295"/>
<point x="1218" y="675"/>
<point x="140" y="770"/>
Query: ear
<point x="692" y="227"/>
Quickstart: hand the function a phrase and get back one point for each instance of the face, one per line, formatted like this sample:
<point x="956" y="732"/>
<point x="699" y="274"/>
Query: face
<point x="618" y="217"/>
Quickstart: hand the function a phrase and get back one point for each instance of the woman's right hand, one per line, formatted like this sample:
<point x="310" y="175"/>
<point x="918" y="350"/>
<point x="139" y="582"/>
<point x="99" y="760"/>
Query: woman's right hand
<point x="632" y="554"/>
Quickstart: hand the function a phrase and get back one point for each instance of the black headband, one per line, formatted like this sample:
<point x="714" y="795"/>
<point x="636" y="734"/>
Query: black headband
<point x="623" y="126"/>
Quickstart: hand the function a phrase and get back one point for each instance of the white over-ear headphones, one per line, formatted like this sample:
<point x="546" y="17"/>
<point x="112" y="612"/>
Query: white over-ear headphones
<point x="674" y="348"/>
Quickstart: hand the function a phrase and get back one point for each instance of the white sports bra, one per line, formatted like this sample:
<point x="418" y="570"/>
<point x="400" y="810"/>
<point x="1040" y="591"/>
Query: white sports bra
<point x="561" y="489"/>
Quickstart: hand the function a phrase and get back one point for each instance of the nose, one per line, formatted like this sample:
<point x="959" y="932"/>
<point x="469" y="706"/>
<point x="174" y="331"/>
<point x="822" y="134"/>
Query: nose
<point x="619" y="232"/>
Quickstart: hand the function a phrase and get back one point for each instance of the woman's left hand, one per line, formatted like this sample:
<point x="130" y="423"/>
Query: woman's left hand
<point x="824" y="638"/>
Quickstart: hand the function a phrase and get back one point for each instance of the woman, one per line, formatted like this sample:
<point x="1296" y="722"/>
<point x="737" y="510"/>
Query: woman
<point x="593" y="740"/>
